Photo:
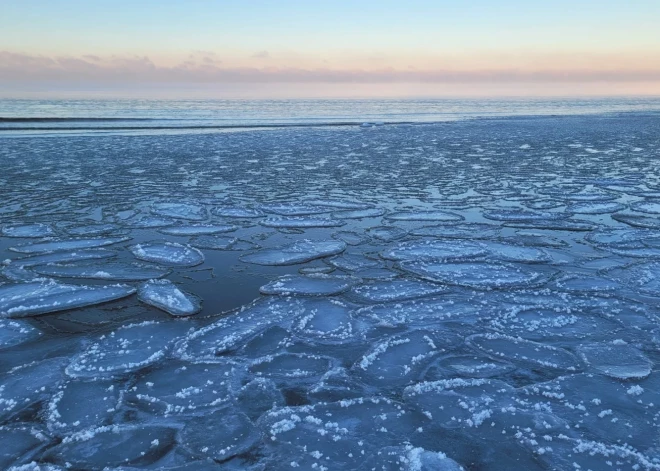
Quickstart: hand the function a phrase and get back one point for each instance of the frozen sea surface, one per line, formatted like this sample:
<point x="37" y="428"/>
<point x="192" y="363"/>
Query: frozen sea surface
<point x="477" y="295"/>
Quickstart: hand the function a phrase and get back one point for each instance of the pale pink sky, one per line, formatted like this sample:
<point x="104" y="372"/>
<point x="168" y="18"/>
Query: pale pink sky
<point x="294" y="48"/>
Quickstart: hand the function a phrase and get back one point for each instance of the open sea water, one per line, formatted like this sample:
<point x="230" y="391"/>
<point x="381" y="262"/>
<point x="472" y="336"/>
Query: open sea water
<point x="456" y="284"/>
<point x="158" y="116"/>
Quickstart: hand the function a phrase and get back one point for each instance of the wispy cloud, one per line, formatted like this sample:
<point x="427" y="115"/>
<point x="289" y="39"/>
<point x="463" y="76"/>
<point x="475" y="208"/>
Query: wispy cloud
<point x="261" y="55"/>
<point x="204" y="67"/>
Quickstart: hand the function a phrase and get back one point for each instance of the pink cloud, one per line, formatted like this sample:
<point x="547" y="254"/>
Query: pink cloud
<point x="21" y="68"/>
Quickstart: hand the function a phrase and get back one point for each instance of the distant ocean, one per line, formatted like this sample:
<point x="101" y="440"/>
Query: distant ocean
<point x="167" y="116"/>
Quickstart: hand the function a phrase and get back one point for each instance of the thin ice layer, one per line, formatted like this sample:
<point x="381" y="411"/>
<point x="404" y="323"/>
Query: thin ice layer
<point x="478" y="275"/>
<point x="517" y="350"/>
<point x="127" y="349"/>
<point x="67" y="244"/>
<point x="450" y="250"/>
<point x="299" y="252"/>
<point x="107" y="271"/>
<point x="195" y="230"/>
<point x="46" y="296"/>
<point x="165" y="295"/>
<point x="191" y="212"/>
<point x="16" y="332"/>
<point x="308" y="285"/>
<point x="27" y="230"/>
<point x="618" y="360"/>
<point x="168" y="253"/>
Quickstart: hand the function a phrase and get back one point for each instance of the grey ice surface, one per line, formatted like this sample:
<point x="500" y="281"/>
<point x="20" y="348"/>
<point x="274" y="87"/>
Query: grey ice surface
<point x="471" y="295"/>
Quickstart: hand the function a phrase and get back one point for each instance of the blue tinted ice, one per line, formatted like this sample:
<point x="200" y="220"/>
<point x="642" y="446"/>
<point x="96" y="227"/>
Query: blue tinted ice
<point x="45" y="296"/>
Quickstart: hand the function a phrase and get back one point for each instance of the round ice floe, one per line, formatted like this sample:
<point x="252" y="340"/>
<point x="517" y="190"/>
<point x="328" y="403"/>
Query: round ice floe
<point x="258" y="396"/>
<point x="233" y="332"/>
<point x="461" y="231"/>
<point x="268" y="341"/>
<point x="426" y="312"/>
<point x="308" y="285"/>
<point x="387" y="233"/>
<point x="352" y="262"/>
<point x="301" y="222"/>
<point x="20" y="444"/>
<point x="326" y="321"/>
<point x="375" y="274"/>
<point x="459" y="403"/>
<point x="336" y="385"/>
<point x="553" y="225"/>
<point x="400" y="360"/>
<point x="578" y="453"/>
<point x="191" y="212"/>
<point x="587" y="284"/>
<point x="150" y="222"/>
<point x="638" y="252"/>
<point x="315" y="270"/>
<point x="340" y="204"/>
<point x="341" y="433"/>
<point x="560" y="190"/>
<point x="652" y="243"/>
<point x="644" y="222"/>
<point x="237" y="212"/>
<point x="477" y="275"/>
<point x="219" y="435"/>
<point x="590" y="196"/>
<point x="522" y="216"/>
<point x="434" y="250"/>
<point x="67" y="244"/>
<point x="533" y="239"/>
<point x="470" y="366"/>
<point x="127" y="349"/>
<point x="351" y="238"/>
<point x="24" y="386"/>
<point x="599" y="407"/>
<point x="603" y="263"/>
<point x="168" y="253"/>
<point x="45" y="296"/>
<point x="64" y="257"/>
<point x="408" y="458"/>
<point x="440" y="216"/>
<point x="595" y="208"/>
<point x="18" y="274"/>
<point x="93" y="229"/>
<point x="293" y="209"/>
<point x="197" y="230"/>
<point x="651" y="207"/>
<point x="620" y="237"/>
<point x="515" y="253"/>
<point x="113" y="445"/>
<point x="544" y="323"/>
<point x="165" y="295"/>
<point x="290" y="368"/>
<point x="27" y="230"/>
<point x="299" y="252"/>
<point x="394" y="290"/>
<point x="184" y="388"/>
<point x="359" y="213"/>
<point x="212" y="242"/>
<point x="644" y="277"/>
<point x="16" y="332"/>
<point x="107" y="271"/>
<point x="619" y="361"/>
<point x="78" y="405"/>
<point x="543" y="204"/>
<point x="517" y="350"/>
<point x="625" y="182"/>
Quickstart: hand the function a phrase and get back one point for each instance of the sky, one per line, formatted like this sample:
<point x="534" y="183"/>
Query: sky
<point x="294" y="48"/>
